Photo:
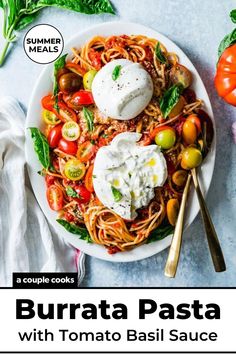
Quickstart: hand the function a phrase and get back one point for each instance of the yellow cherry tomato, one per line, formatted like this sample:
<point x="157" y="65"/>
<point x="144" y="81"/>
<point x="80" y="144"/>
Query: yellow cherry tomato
<point x="177" y="109"/>
<point x="74" y="170"/>
<point x="71" y="131"/>
<point x="179" y="177"/>
<point x="191" y="158"/>
<point x="172" y="210"/>
<point x="189" y="132"/>
<point x="50" y="118"/>
<point x="88" y="79"/>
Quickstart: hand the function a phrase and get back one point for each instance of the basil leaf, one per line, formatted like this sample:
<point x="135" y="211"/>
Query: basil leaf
<point x="160" y="233"/>
<point x="41" y="147"/>
<point x="159" y="54"/>
<point x="71" y="192"/>
<point x="226" y="42"/>
<point x="24" y="21"/>
<point x="88" y="116"/>
<point x="82" y="232"/>
<point x="116" y="72"/>
<point x="233" y="15"/>
<point x="116" y="194"/>
<point x="1" y="4"/>
<point x="84" y="6"/>
<point x="58" y="64"/>
<point x="170" y="98"/>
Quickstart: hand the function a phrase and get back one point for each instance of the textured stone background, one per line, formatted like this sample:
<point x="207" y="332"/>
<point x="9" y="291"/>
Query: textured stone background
<point x="197" y="26"/>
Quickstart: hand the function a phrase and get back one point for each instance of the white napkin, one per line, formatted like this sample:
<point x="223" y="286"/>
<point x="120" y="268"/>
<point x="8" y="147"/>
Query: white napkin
<point x="26" y="241"/>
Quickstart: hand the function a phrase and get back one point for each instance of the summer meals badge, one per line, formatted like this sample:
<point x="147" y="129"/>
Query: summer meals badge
<point x="43" y="44"/>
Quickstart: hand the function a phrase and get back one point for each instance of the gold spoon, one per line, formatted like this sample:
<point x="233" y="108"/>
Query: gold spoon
<point x="174" y="252"/>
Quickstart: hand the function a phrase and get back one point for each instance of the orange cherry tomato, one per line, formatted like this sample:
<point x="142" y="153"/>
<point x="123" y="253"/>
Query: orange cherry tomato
<point x="225" y="79"/>
<point x="195" y="120"/>
<point x="89" y="179"/>
<point x="55" y="198"/>
<point x="75" y="68"/>
<point x="159" y="129"/>
<point x="86" y="151"/>
<point x="189" y="132"/>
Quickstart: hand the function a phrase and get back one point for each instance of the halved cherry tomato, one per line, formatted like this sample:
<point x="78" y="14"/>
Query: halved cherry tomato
<point x="195" y="120"/>
<point x="55" y="198"/>
<point x="71" y="131"/>
<point x="50" y="118"/>
<point x="83" y="193"/>
<point x="79" y="98"/>
<point x="54" y="136"/>
<point x="69" y="147"/>
<point x="74" y="170"/>
<point x="65" y="113"/>
<point x="75" y="68"/>
<point x="89" y="179"/>
<point x="86" y="151"/>
<point x="69" y="217"/>
<point x="49" y="180"/>
<point x="159" y="129"/>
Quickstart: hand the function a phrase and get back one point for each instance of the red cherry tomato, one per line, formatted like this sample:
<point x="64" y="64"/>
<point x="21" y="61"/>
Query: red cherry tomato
<point x="48" y="102"/>
<point x="64" y="113"/>
<point x="55" y="198"/>
<point x="81" y="98"/>
<point x="83" y="193"/>
<point x="89" y="179"/>
<point x="49" y="180"/>
<point x="86" y="151"/>
<point x="68" y="147"/>
<point x="69" y="217"/>
<point x="54" y="136"/>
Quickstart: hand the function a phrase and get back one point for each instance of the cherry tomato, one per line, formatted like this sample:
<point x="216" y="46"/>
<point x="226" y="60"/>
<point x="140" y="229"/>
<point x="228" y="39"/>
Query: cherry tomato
<point x="179" y="178"/>
<point x="88" y="79"/>
<point x="179" y="74"/>
<point x="55" y="198"/>
<point x="81" y="97"/>
<point x="50" y="118"/>
<point x="191" y="158"/>
<point x="74" y="170"/>
<point x="166" y="138"/>
<point x="71" y="131"/>
<point x="69" y="217"/>
<point x="225" y="79"/>
<point x="189" y="132"/>
<point x="83" y="193"/>
<point x="64" y="113"/>
<point x="54" y="136"/>
<point x="49" y="180"/>
<point x="48" y="102"/>
<point x="75" y="68"/>
<point x="86" y="151"/>
<point x="69" y="82"/>
<point x="159" y="129"/>
<point x="172" y="210"/>
<point x="89" y="179"/>
<point x="195" y="120"/>
<point x="68" y="147"/>
<point x="95" y="58"/>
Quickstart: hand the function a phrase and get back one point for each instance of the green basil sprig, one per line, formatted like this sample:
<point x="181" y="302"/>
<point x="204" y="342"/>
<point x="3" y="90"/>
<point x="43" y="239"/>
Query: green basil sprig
<point x="116" y="194"/>
<point x="76" y="230"/>
<point x="233" y="16"/>
<point x="18" y="14"/>
<point x="160" y="233"/>
<point x="159" y="54"/>
<point x="88" y="116"/>
<point x="41" y="147"/>
<point x="58" y="64"/>
<point x="170" y="98"/>
<point x="116" y="72"/>
<point x="71" y="192"/>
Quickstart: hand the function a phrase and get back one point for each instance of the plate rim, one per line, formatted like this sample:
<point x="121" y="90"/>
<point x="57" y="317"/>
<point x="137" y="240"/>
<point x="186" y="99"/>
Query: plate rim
<point x="89" y="249"/>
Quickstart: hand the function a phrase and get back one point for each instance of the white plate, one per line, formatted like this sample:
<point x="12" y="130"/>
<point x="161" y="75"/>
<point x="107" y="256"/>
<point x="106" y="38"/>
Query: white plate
<point x="44" y="86"/>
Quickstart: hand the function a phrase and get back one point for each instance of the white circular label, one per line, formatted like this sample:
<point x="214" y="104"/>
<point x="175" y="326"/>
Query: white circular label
<point x="43" y="44"/>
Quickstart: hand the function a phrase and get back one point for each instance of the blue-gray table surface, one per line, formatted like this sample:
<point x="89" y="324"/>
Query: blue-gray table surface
<point x="196" y="26"/>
